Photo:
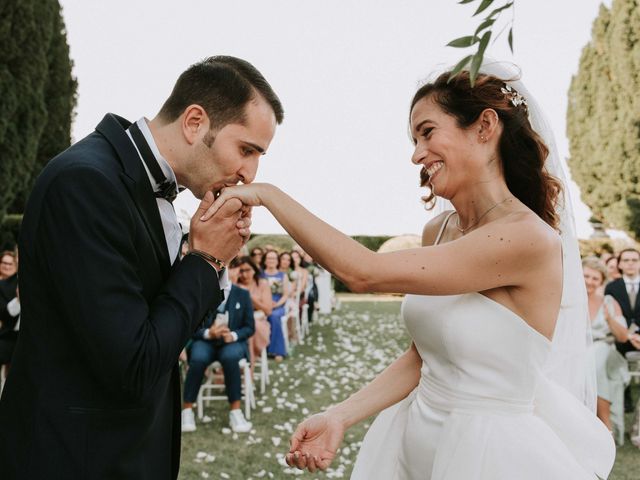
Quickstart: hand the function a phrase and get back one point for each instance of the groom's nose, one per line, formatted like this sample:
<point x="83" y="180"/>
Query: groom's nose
<point x="249" y="170"/>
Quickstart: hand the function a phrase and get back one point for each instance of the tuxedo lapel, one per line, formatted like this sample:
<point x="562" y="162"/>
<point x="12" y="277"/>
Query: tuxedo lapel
<point x="137" y="183"/>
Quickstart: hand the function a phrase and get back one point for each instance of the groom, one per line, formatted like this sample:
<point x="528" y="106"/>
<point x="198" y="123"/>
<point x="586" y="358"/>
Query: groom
<point x="94" y="391"/>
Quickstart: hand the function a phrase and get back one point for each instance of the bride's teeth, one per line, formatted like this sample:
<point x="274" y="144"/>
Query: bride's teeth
<point x="434" y="168"/>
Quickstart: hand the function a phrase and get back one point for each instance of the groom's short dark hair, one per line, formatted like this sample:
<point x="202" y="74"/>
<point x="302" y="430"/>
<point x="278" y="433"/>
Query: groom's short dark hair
<point x="222" y="85"/>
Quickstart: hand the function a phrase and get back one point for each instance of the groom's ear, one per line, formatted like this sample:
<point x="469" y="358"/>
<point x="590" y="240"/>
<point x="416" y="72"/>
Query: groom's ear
<point x="194" y="122"/>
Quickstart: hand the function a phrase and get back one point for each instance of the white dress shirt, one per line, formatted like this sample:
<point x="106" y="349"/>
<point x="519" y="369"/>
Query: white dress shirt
<point x="170" y="225"/>
<point x="631" y="282"/>
<point x="13" y="307"/>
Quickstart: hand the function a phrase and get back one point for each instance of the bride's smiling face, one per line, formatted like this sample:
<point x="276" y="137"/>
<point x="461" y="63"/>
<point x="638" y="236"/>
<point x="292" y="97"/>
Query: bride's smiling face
<point x="447" y="153"/>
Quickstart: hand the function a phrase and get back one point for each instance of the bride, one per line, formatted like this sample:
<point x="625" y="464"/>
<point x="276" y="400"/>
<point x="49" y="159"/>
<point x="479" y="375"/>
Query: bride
<point x="495" y="384"/>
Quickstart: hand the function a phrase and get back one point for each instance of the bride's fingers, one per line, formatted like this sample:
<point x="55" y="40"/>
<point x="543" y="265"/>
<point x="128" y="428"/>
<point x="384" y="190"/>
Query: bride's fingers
<point x="215" y="206"/>
<point x="322" y="464"/>
<point x="300" y="460"/>
<point x="296" y="438"/>
<point x="311" y="463"/>
<point x="289" y="459"/>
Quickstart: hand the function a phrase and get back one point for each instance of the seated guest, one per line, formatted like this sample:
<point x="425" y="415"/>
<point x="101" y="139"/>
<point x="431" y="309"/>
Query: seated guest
<point x="227" y="344"/>
<point x="612" y="269"/>
<point x="8" y="264"/>
<point x="279" y="285"/>
<point x="9" y="306"/>
<point x="256" y="255"/>
<point x="300" y="275"/>
<point x="625" y="291"/>
<point x="249" y="278"/>
<point x="607" y="325"/>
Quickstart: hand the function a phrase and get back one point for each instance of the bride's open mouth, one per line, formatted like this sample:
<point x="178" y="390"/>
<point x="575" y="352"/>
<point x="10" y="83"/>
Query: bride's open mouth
<point x="428" y="173"/>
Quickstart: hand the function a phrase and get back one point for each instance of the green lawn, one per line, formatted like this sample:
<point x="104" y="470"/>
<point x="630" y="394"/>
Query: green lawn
<point x="343" y="353"/>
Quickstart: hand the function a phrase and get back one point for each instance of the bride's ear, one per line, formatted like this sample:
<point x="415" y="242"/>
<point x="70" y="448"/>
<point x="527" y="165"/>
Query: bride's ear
<point x="487" y="125"/>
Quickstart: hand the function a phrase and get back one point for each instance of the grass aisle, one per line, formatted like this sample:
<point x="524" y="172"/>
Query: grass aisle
<point x="340" y="356"/>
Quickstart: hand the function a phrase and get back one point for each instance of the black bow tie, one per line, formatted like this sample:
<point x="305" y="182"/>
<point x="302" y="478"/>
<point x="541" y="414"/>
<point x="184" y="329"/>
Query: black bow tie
<point x="166" y="189"/>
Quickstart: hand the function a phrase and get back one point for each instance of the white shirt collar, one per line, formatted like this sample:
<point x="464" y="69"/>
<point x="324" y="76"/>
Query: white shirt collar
<point x="629" y="280"/>
<point x="164" y="165"/>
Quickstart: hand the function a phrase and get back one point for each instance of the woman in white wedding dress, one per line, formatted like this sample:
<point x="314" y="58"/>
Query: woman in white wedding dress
<point x="495" y="382"/>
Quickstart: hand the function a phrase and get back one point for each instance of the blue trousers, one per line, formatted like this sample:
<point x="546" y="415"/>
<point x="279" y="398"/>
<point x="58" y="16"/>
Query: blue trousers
<point x="203" y="354"/>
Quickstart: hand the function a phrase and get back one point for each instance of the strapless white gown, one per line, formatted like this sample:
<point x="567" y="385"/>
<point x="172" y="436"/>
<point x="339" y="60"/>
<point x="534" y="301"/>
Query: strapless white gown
<point x="483" y="410"/>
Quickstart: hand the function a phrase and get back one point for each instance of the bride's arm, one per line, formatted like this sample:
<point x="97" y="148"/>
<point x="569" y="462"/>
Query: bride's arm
<point x="492" y="256"/>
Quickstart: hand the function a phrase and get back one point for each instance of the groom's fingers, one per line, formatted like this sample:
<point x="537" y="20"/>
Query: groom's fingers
<point x="230" y="207"/>
<point x="205" y="203"/>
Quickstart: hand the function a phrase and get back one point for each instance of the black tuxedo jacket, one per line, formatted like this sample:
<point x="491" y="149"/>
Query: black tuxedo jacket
<point x="93" y="392"/>
<point x="618" y="290"/>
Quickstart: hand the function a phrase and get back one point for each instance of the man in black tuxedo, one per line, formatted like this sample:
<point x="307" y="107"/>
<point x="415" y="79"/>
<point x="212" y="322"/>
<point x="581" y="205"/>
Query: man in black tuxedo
<point x="625" y="291"/>
<point x="93" y="392"/>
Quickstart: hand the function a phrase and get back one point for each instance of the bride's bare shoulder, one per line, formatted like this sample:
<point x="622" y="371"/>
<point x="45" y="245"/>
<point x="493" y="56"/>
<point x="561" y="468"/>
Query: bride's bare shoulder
<point x="431" y="229"/>
<point x="530" y="229"/>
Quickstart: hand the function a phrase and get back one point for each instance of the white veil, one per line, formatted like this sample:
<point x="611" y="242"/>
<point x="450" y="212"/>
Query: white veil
<point x="569" y="364"/>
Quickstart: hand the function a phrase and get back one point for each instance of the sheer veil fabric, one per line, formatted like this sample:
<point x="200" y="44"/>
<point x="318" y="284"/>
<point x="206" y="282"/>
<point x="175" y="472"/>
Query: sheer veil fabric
<point x="562" y="432"/>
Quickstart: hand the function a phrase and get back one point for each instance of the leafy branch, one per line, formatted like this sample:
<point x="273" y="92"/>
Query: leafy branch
<point x="481" y="38"/>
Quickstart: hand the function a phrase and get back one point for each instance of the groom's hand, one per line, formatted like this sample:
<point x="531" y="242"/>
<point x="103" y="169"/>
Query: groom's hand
<point x="219" y="237"/>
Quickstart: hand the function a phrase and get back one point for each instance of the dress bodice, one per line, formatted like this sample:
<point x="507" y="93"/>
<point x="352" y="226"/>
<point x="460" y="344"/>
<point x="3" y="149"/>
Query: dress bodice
<point x="476" y="352"/>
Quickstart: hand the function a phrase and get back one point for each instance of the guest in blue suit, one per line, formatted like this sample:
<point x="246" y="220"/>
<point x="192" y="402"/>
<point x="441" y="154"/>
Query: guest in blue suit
<point x="225" y="343"/>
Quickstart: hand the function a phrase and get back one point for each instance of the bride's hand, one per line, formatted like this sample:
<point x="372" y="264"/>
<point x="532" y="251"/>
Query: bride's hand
<point x="249" y="195"/>
<point x="315" y="442"/>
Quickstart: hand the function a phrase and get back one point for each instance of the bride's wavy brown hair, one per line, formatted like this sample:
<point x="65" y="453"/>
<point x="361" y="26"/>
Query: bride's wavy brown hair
<point x="522" y="151"/>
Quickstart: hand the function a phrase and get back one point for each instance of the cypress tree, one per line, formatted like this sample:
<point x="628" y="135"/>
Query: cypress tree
<point x="603" y="118"/>
<point x="38" y="94"/>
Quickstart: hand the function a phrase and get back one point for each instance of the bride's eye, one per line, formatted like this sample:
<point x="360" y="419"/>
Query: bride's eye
<point x="427" y="132"/>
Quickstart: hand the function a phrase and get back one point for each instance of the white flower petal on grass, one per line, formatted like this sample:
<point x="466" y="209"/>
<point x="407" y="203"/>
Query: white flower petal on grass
<point x="226" y="431"/>
<point x="276" y="441"/>
<point x="204" y="474"/>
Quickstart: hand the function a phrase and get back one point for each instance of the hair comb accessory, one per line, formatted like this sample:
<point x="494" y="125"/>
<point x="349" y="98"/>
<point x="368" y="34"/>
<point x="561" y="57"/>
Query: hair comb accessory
<point x="514" y="97"/>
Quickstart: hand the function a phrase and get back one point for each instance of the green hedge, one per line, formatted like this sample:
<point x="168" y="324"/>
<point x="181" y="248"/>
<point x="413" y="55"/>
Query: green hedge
<point x="286" y="243"/>
<point x="9" y="230"/>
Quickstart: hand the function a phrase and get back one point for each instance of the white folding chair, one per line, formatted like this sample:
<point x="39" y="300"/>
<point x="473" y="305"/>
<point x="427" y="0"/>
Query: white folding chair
<point x="284" y="321"/>
<point x="209" y="390"/>
<point x="304" y="321"/>
<point x="261" y="370"/>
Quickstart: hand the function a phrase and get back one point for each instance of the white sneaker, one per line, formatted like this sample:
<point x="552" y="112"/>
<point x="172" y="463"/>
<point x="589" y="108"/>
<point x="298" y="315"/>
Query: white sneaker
<point x="238" y="423"/>
<point x="188" y="420"/>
